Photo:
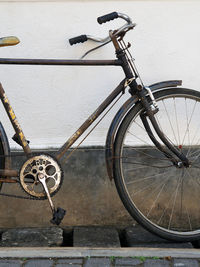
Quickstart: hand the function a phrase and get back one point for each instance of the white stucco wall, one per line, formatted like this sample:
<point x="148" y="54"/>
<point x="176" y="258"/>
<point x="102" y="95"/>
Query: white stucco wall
<point x="51" y="102"/>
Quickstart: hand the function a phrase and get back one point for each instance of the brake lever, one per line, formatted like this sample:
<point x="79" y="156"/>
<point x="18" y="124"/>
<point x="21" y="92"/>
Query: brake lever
<point x="128" y="26"/>
<point x="95" y="48"/>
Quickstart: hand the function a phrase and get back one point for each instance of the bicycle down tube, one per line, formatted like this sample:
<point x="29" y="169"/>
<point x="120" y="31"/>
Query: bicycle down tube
<point x="60" y="62"/>
<point x="20" y="135"/>
<point x="91" y="119"/>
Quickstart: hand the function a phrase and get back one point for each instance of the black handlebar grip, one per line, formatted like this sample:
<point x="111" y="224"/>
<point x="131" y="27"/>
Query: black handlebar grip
<point x="108" y="17"/>
<point x="78" y="39"/>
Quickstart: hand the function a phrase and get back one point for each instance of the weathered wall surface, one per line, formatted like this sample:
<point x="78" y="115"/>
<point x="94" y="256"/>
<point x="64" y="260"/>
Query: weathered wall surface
<point x="51" y="102"/>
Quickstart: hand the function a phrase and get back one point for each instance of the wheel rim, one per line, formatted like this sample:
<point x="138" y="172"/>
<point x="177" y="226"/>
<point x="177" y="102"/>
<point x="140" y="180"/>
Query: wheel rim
<point x="165" y="196"/>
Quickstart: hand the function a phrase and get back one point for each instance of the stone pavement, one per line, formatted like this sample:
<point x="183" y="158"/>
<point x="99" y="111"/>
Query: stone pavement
<point x="99" y="262"/>
<point x="92" y="247"/>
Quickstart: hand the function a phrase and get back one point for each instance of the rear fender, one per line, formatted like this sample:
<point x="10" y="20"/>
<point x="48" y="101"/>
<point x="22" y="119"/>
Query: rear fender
<point x="116" y="122"/>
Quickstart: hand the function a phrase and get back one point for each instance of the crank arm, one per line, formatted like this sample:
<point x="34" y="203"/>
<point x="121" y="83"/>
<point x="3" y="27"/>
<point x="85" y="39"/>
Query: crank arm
<point x="42" y="180"/>
<point x="58" y="214"/>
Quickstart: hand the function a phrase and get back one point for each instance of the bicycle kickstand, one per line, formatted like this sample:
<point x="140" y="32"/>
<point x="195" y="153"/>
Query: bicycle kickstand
<point x="58" y="214"/>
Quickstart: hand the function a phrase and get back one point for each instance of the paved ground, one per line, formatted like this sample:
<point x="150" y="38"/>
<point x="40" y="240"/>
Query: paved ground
<point x="98" y="257"/>
<point x="93" y="247"/>
<point x="99" y="262"/>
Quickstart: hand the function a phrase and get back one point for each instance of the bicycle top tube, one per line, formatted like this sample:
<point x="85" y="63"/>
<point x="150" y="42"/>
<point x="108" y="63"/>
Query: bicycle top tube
<point x="64" y="62"/>
<point x="120" y="32"/>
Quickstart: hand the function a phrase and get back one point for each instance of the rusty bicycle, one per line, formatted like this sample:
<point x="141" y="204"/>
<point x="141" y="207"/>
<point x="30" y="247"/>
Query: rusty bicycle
<point x="152" y="146"/>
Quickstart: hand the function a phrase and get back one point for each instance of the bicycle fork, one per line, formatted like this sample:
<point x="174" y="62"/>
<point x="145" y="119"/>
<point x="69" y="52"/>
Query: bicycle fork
<point x="150" y="111"/>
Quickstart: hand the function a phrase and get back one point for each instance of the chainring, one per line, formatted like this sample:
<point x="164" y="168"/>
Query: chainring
<point x="46" y="165"/>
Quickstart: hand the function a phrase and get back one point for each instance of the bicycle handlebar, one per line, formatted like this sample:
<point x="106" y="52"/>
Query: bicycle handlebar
<point x="112" y="16"/>
<point x="104" y="19"/>
<point x="78" y="39"/>
<point x="107" y="17"/>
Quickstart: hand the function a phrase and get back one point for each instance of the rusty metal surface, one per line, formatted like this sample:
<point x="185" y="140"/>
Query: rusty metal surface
<point x="7" y="180"/>
<point x="46" y="166"/>
<point x="1" y="90"/>
<point x="114" y="40"/>
<point x="14" y="121"/>
<point x="7" y="172"/>
<point x="90" y="120"/>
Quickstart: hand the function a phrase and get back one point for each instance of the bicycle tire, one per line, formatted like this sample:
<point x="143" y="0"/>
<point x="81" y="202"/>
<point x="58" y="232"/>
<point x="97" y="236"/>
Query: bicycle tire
<point x="158" y="195"/>
<point x="2" y="160"/>
<point x="4" y="151"/>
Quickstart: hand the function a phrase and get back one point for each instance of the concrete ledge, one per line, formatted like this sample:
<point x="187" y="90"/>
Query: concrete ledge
<point x="32" y="237"/>
<point x="76" y="252"/>
<point x="96" y="237"/>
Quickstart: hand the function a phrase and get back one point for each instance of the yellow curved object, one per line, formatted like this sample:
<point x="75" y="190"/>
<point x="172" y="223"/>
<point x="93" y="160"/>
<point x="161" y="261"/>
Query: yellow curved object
<point x="10" y="40"/>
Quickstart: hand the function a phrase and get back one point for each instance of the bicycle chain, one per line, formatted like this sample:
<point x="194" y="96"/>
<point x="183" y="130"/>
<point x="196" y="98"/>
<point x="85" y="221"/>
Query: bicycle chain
<point x="20" y="197"/>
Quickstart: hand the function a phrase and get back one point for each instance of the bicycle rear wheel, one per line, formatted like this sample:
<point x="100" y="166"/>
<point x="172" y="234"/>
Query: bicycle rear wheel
<point x="162" y="197"/>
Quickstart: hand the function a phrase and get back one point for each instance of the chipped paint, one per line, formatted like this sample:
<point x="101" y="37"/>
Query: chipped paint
<point x="14" y="121"/>
<point x="90" y="120"/>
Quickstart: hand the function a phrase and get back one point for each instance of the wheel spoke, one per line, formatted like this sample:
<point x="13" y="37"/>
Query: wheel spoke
<point x="174" y="202"/>
<point x="189" y="220"/>
<point x="157" y="197"/>
<point x="149" y="177"/>
<point x="166" y="207"/>
<point x="162" y="194"/>
<point x="170" y="122"/>
<point x="177" y="124"/>
<point x="144" y="164"/>
<point x="140" y="151"/>
<point x="144" y="188"/>
<point x="187" y="132"/>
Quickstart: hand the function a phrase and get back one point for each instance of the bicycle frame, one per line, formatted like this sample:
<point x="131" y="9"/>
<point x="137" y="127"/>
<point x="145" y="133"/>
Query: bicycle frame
<point x="130" y="79"/>
<point x="151" y="177"/>
<point x="18" y="130"/>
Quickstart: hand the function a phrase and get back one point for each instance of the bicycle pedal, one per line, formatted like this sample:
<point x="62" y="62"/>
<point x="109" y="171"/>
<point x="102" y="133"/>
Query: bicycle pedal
<point x="58" y="215"/>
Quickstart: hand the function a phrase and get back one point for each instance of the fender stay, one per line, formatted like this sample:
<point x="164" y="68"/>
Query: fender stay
<point x="116" y="122"/>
